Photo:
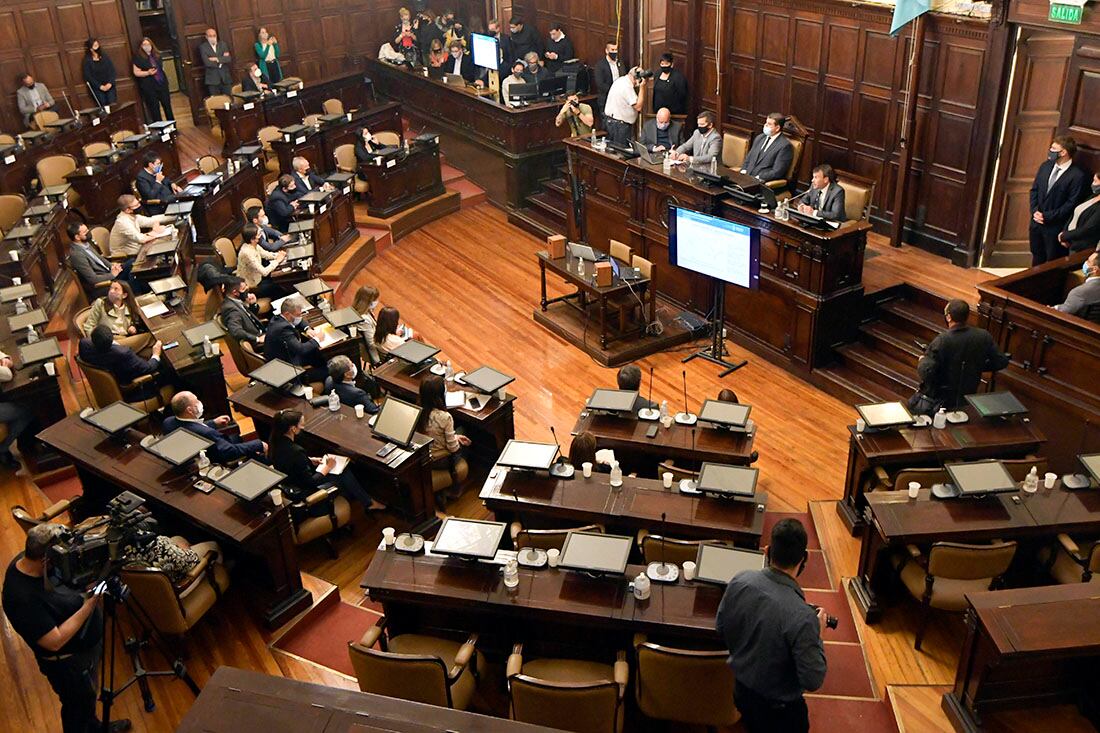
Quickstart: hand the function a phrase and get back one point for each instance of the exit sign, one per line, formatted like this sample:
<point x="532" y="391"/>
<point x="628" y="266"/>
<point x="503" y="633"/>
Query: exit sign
<point x="1064" y="13"/>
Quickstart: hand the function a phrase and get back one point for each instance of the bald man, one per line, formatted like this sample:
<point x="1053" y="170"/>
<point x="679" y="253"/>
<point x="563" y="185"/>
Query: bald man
<point x="661" y="134"/>
<point x="187" y="413"/>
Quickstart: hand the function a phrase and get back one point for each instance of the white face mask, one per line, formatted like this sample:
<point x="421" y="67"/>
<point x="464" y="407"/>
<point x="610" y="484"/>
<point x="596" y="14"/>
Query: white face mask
<point x="373" y="305"/>
<point x="256" y="73"/>
<point x="147" y="48"/>
<point x="198" y="410"/>
<point x="354" y="372"/>
<point x="768" y="130"/>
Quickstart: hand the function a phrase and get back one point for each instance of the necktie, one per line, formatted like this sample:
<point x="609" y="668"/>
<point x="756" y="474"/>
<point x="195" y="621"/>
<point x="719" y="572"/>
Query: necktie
<point x="821" y="203"/>
<point x="1053" y="177"/>
<point x="766" y="144"/>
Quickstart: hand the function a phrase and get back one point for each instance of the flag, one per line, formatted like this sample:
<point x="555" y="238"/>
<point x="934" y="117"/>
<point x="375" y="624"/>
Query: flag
<point x="905" y="11"/>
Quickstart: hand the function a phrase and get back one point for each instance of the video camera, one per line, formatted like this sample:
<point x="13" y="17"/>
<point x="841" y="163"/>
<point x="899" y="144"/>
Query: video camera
<point x="96" y="552"/>
<point x="831" y="622"/>
<point x="643" y="74"/>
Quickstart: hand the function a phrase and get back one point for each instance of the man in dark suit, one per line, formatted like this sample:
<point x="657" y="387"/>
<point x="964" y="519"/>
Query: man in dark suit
<point x="95" y="272"/>
<point x="187" y="414"/>
<point x="341" y="377"/>
<point x="1087" y="293"/>
<point x="533" y="71"/>
<point x="952" y="365"/>
<point x="607" y="70"/>
<point x="825" y="198"/>
<point x="271" y="238"/>
<point x="460" y="62"/>
<point x="305" y="180"/>
<point x="100" y="350"/>
<point x="1058" y="187"/>
<point x="240" y="314"/>
<point x="770" y="155"/>
<point x="282" y="203"/>
<point x="153" y="189"/>
<point x="290" y="339"/>
<point x="559" y="49"/>
<point x="217" y="61"/>
<point x="661" y="133"/>
<point x="521" y="40"/>
<point x="630" y="378"/>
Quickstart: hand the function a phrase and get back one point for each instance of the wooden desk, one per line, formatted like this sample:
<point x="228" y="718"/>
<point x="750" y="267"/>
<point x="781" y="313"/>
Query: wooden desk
<point x="927" y="447"/>
<point x="16" y="175"/>
<point x="40" y="258"/>
<point x="333" y="227"/>
<point x="582" y="274"/>
<point x="507" y="151"/>
<point x="100" y="189"/>
<point x="406" y="487"/>
<point x="260" y="535"/>
<point x="416" y="178"/>
<point x="1027" y="647"/>
<point x="241" y="701"/>
<point x="488" y="430"/>
<point x="637" y="504"/>
<point x="318" y="145"/>
<point x="810" y="280"/>
<point x="218" y="212"/>
<point x="179" y="261"/>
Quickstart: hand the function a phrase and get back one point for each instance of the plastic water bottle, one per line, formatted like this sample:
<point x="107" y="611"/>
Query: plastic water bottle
<point x="20" y="306"/>
<point x="32" y="335"/>
<point x="641" y="587"/>
<point x="939" y="422"/>
<point x="714" y="166"/>
<point x="664" y="409"/>
<point x="207" y="347"/>
<point x="449" y="372"/>
<point x="592" y="140"/>
<point x="1031" y="481"/>
<point x="616" y="474"/>
<point x="203" y="461"/>
<point x="333" y="401"/>
<point x="511" y="573"/>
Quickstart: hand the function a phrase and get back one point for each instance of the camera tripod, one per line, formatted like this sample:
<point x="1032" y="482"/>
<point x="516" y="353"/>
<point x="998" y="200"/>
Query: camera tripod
<point x="146" y="634"/>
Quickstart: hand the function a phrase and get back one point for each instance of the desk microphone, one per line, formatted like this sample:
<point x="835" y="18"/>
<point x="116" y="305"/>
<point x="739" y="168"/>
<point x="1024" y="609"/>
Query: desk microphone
<point x="68" y="104"/>
<point x="663" y="572"/>
<point x="693" y="440"/>
<point x="686" y="417"/>
<point x="94" y="97"/>
<point x="649" y="412"/>
<point x="560" y="468"/>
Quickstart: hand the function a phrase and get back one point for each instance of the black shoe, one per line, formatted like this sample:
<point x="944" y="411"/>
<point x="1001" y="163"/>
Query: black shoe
<point x="119" y="726"/>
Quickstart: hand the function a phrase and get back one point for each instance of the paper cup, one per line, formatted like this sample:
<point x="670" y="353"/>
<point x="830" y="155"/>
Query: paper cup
<point x="502" y="394"/>
<point x="1049" y="479"/>
<point x="914" y="489"/>
<point x="14" y="254"/>
<point x="276" y="497"/>
<point x="50" y="368"/>
<point x="689" y="570"/>
<point x="359" y="411"/>
<point x="17" y="281"/>
<point x="308" y="392"/>
<point x="216" y="348"/>
<point x="586" y="469"/>
<point x="860" y="425"/>
<point x="552" y="556"/>
<point x="666" y="478"/>
<point x="353" y="331"/>
<point x="389" y="536"/>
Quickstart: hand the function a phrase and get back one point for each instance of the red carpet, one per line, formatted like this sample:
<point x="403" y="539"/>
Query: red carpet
<point x="770" y="518"/>
<point x="65" y="488"/>
<point x="852" y="716"/>
<point x="324" y="638"/>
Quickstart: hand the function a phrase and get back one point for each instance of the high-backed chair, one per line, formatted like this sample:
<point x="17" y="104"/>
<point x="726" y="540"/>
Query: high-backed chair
<point x="655" y="548"/>
<point x="105" y="389"/>
<point x="236" y="89"/>
<point x="102" y="238"/>
<point x="735" y="146"/>
<point x="1017" y="468"/>
<point x="266" y="135"/>
<point x="137" y="342"/>
<point x="252" y="360"/>
<point x="95" y="148"/>
<point x="226" y="251"/>
<point x="12" y="206"/>
<point x="451" y="477"/>
<point x="174" y="608"/>
<point x="211" y="103"/>
<point x="387" y="137"/>
<point x="310" y="528"/>
<point x="27" y="521"/>
<point x="244" y="364"/>
<point x="208" y="164"/>
<point x="121" y="135"/>
<point x="52" y="171"/>
<point x="568" y="694"/>
<point x="333" y="106"/>
<point x="782" y="184"/>
<point x="346" y="163"/>
<point x="6" y="139"/>
<point x="942" y="578"/>
<point x="686" y="686"/>
<point x="249" y="203"/>
<point x="45" y="117"/>
<point x="544" y="539"/>
<point x="859" y="192"/>
<point x="621" y="251"/>
<point x="1075" y="561"/>
<point x="417" y="667"/>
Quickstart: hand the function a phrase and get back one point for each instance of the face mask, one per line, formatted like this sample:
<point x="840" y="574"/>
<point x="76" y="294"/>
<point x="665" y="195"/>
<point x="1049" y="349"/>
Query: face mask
<point x="665" y="68"/>
<point x="663" y="126"/>
<point x="768" y="130"/>
<point x="1085" y="269"/>
<point x="147" y="48"/>
<point x="1095" y="189"/>
<point x="263" y="221"/>
<point x="256" y="73"/>
<point x="198" y="410"/>
<point x="297" y="321"/>
<point x="1052" y="156"/>
<point x="703" y="129"/>
<point x="614" y="55"/>
<point x="29" y="86"/>
<point x="373" y="305"/>
<point x="354" y="372"/>
<point x="158" y="167"/>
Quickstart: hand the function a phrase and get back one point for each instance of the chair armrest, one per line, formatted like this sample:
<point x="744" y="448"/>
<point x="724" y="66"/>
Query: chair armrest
<point x="1070" y="547"/>
<point x="102" y="284"/>
<point x="196" y="572"/>
<point x="777" y="183"/>
<point x="881" y="477"/>
<point x="143" y="379"/>
<point x="319" y="496"/>
<point x="462" y="659"/>
<point x="914" y="552"/>
<point x="622" y="673"/>
<point x="344" y="169"/>
<point x="374" y="633"/>
<point x="640" y="639"/>
<point x="515" y="662"/>
<point x="58" y="508"/>
<point x="513" y="531"/>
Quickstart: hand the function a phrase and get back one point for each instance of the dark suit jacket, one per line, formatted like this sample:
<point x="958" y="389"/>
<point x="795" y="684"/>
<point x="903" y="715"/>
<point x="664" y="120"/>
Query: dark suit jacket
<point x="773" y="163"/>
<point x="278" y="208"/>
<point x="833" y="210"/>
<point x="90" y="269"/>
<point x="1058" y="203"/>
<point x="540" y="74"/>
<point x="952" y="365"/>
<point x="216" y="72"/>
<point x="292" y="459"/>
<point x="364" y="153"/>
<point x="1081" y="297"/>
<point x="649" y="134"/>
<point x="466" y="67"/>
<point x="520" y="44"/>
<point x="1087" y="232"/>
<point x="120" y="361"/>
<point x="284" y="341"/>
<point x="226" y="447"/>
<point x="602" y="78"/>
<point x="351" y="395"/>
<point x="300" y="190"/>
<point x="248" y="84"/>
<point x="149" y="189"/>
<point x="269" y="238"/>
<point x="564" y="50"/>
<point x="241" y="321"/>
<point x="672" y="93"/>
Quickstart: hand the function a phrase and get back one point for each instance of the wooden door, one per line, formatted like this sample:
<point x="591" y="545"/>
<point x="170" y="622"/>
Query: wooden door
<point x="1032" y="117"/>
<point x="190" y="19"/>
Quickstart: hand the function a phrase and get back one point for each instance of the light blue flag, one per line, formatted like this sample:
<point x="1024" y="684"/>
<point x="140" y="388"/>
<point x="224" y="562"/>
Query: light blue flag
<point x="905" y="11"/>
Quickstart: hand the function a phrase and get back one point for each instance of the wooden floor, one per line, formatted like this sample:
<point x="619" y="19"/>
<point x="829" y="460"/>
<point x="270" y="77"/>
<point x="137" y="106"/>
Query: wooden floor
<point x="468" y="283"/>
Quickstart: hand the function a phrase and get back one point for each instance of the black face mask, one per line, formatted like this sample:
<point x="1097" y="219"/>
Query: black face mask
<point x="665" y="69"/>
<point x="614" y="56"/>
<point x="704" y="129"/>
<point x="1095" y="188"/>
<point x="1052" y="156"/>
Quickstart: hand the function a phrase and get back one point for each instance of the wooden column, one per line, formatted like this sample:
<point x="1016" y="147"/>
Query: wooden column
<point x="908" y="131"/>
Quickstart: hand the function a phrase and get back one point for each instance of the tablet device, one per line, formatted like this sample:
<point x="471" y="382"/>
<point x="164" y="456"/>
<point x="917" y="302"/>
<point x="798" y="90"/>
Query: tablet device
<point x="39" y="352"/>
<point x="718" y="563"/>
<point x="472" y="539"/>
<point x="885" y="414"/>
<point x="250" y="480"/>
<point x="276" y="373"/>
<point x="721" y="479"/>
<point x="396" y="421"/>
<point x="996" y="404"/>
<point x="487" y="380"/>
<point x="613" y="400"/>
<point x="179" y="446"/>
<point x="732" y="414"/>
<point x="528" y="455"/>
<point x="115" y="417"/>
<point x="414" y="352"/>
<point x="596" y="552"/>
<point x="980" y="478"/>
<point x="196" y="334"/>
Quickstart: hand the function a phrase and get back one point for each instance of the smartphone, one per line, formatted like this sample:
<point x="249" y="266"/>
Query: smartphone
<point x="652" y="431"/>
<point x="171" y="345"/>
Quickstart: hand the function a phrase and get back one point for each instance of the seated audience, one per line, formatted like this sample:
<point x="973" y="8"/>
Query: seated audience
<point x="388" y="333"/>
<point x="825" y="197"/>
<point x="439" y="425"/>
<point x="1087" y="293"/>
<point x="16" y="417"/>
<point x="1083" y="229"/>
<point x="341" y="377"/>
<point x="89" y="265"/>
<point x="583" y="450"/>
<point x="365" y="147"/>
<point x="127" y="236"/>
<point x="271" y="238"/>
<point x="174" y="556"/>
<point x="112" y="310"/>
<point x="559" y="49"/>
<point x="241" y="314"/>
<point x="771" y="153"/>
<point x="366" y="300"/>
<point x="101" y="351"/>
<point x="534" y="71"/>
<point x="282" y="203"/>
<point x="661" y="133"/>
<point x="254" y="80"/>
<point x="579" y="116"/>
<point x="704" y="145"/>
<point x="516" y="77"/>
<point x="305" y="180"/>
<point x="630" y="378"/>
<point x="152" y="186"/>
<point x="251" y="265"/>
<point x="290" y="339"/>
<point x="728" y="395"/>
<point x="187" y="413"/>
<point x="33" y="97"/>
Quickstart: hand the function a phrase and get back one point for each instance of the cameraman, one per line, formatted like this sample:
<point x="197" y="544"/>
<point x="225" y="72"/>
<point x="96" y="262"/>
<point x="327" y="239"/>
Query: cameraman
<point x="63" y="629"/>
<point x="774" y="637"/>
<point x="625" y="100"/>
<point x="578" y="115"/>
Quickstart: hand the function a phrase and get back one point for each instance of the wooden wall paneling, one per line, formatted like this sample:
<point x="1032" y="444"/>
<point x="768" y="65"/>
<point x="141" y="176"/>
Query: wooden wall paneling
<point x="191" y="19"/>
<point x="1081" y="101"/>
<point x="681" y="27"/>
<point x="654" y="30"/>
<point x="590" y="24"/>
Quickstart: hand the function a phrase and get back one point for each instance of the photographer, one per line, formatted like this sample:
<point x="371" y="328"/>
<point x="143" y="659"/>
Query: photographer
<point x="578" y="115"/>
<point x="774" y="637"/>
<point x="625" y="100"/>
<point x="63" y="629"/>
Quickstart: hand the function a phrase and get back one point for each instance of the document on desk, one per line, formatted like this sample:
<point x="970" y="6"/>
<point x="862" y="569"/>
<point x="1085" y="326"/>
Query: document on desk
<point x="341" y="464"/>
<point x="456" y="399"/>
<point x="327" y="335"/>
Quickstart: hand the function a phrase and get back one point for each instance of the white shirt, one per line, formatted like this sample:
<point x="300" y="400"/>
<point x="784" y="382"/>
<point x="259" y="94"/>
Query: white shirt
<point x="458" y="65"/>
<point x="621" y="99"/>
<point x="614" y="68"/>
<point x="1057" y="171"/>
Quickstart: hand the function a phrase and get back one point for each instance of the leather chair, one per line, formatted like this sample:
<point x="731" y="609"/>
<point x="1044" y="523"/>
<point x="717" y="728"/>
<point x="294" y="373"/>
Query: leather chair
<point x="95" y="148"/>
<point x="1017" y="468"/>
<point x="451" y="477"/>
<point x="265" y="136"/>
<point x="244" y="364"/>
<point x="121" y="135"/>
<point x="268" y="188"/>
<point x="6" y="139"/>
<point x="942" y="578"/>
<point x="12" y="206"/>
<point x="226" y="251"/>
<point x="208" y="164"/>
<point x="655" y="548"/>
<point x="105" y="389"/>
<point x="137" y="342"/>
<point x="544" y="539"/>
<point x="217" y="101"/>
<point x="679" y="473"/>
<point x="45" y="117"/>
<point x="251" y="359"/>
<point x="1074" y="561"/>
<point x="308" y="529"/>
<point x="417" y="667"/>
<point x="735" y="146"/>
<point x="387" y="137"/>
<point x="629" y="303"/>
<point x="214" y="300"/>
<point x="686" y="686"/>
<point x="27" y="521"/>
<point x="250" y="202"/>
<point x="346" y="163"/>
<point x="859" y="192"/>
<point x="333" y="106"/>
<point x="52" y="171"/>
<point x="236" y="89"/>
<point x="782" y="184"/>
<point x="175" y="608"/>
<point x="620" y="251"/>
<point x="568" y="694"/>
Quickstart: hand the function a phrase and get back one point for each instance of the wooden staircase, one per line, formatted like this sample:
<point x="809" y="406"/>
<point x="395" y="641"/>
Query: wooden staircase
<point x="546" y="211"/>
<point x="882" y="363"/>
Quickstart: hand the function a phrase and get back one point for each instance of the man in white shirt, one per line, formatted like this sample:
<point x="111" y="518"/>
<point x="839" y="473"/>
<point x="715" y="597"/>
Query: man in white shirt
<point x="127" y="236"/>
<point x="625" y="100"/>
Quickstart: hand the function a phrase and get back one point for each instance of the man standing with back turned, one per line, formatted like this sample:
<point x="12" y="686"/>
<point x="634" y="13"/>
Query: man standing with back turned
<point x="773" y="637"/>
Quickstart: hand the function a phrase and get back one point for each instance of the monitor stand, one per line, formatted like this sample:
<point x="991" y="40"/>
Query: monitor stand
<point x="716" y="352"/>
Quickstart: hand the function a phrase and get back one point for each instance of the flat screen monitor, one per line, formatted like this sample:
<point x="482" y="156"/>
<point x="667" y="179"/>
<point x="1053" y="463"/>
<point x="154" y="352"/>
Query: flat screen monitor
<point x="980" y="477"/>
<point x="167" y="285"/>
<point x="14" y="292"/>
<point x="613" y="400"/>
<point x="115" y="417"/>
<point x="487" y="380"/>
<point x="39" y="352"/>
<point x="718" y="563"/>
<point x="396" y="421"/>
<point x="196" y="334"/>
<point x="528" y="455"/>
<point x="474" y="539"/>
<point x="250" y="480"/>
<point x="414" y="352"/>
<point x="522" y="92"/>
<point x="1091" y="462"/>
<point x="33" y="317"/>
<point x="725" y="480"/>
<point x="344" y="317"/>
<point x="596" y="552"/>
<point x="715" y="247"/>
<point x="486" y="50"/>
<point x="276" y="373"/>
<point x="179" y="446"/>
<point x="996" y="404"/>
<point x="725" y="413"/>
<point x="553" y="86"/>
<point x="885" y="414"/>
<point x="313" y="288"/>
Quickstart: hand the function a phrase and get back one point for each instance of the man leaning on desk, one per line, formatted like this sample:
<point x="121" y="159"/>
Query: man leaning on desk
<point x="289" y="338"/>
<point x="825" y="198"/>
<point x="704" y="145"/>
<point x="661" y="133"/>
<point x="127" y="236"/>
<point x="305" y="180"/>
<point x="187" y="411"/>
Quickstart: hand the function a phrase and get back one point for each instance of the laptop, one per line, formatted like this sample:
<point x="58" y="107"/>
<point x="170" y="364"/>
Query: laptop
<point x="644" y="154"/>
<point x="626" y="274"/>
<point x="584" y="252"/>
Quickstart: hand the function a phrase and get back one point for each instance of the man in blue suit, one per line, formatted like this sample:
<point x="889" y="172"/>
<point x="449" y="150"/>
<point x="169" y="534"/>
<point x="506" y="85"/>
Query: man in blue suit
<point x="1059" y="186"/>
<point x="290" y="339"/>
<point x="341" y="377"/>
<point x="100" y="350"/>
<point x="187" y="414"/>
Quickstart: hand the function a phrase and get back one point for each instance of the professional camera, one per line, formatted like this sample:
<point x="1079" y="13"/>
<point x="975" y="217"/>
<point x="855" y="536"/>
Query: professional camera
<point x="643" y="74"/>
<point x="831" y="622"/>
<point x="81" y="556"/>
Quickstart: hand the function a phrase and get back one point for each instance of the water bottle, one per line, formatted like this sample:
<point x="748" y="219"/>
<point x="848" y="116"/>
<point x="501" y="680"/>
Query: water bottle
<point x="939" y="422"/>
<point x="449" y="372"/>
<point x="616" y="474"/>
<point x="641" y="587"/>
<point x="1031" y="481"/>
<point x="333" y="401"/>
<point x="666" y="164"/>
<point x="207" y="347"/>
<point x="592" y="140"/>
<point x="203" y="461"/>
<point x="714" y="166"/>
<point x="664" y="409"/>
<point x="20" y="306"/>
<point x="32" y="335"/>
<point x="511" y="573"/>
